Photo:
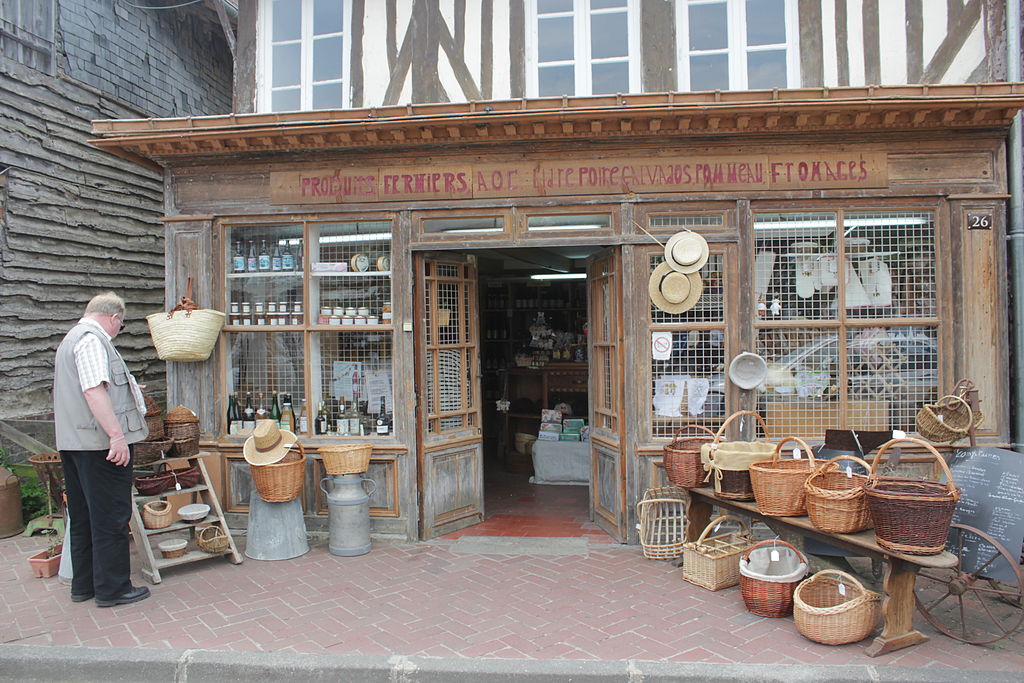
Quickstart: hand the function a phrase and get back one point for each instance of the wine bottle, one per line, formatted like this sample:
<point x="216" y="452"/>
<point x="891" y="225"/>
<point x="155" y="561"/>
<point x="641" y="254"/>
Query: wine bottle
<point x="287" y="259"/>
<point x="321" y="419"/>
<point x="275" y="259"/>
<point x="264" y="257"/>
<point x="248" y="414"/>
<point x="287" y="414"/>
<point x="383" y="419"/>
<point x="230" y="425"/>
<point x="238" y="259"/>
<point x="303" y="418"/>
<point x="252" y="261"/>
<point x="261" y="410"/>
<point x="275" y="410"/>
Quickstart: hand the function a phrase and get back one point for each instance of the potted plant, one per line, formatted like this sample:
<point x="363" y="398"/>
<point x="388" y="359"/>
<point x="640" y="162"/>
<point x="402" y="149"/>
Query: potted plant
<point x="46" y="563"/>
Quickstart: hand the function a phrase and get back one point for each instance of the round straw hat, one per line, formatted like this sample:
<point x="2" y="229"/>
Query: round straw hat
<point x="268" y="443"/>
<point x="686" y="252"/>
<point x="674" y="292"/>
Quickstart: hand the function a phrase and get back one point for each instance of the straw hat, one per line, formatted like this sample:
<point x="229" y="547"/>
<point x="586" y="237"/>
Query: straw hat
<point x="748" y="370"/>
<point x="268" y="443"/>
<point x="686" y="252"/>
<point x="674" y="292"/>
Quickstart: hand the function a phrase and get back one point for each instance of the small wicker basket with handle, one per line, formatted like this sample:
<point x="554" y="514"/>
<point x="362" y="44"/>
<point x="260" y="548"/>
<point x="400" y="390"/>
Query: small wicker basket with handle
<point x="779" y="484"/>
<point x="727" y="463"/>
<point x="712" y="562"/>
<point x="681" y="457"/>
<point x="836" y="501"/>
<point x="834" y="608"/>
<point x="186" y="333"/>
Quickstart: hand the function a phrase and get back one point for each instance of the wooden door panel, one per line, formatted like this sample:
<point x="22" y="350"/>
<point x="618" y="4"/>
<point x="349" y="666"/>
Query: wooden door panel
<point x="607" y="483"/>
<point x="453" y="483"/>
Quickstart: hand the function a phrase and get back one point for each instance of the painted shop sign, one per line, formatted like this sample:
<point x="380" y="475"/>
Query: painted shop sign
<point x="584" y="177"/>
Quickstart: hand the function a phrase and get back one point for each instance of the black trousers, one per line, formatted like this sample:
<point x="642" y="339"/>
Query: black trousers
<point x="100" y="504"/>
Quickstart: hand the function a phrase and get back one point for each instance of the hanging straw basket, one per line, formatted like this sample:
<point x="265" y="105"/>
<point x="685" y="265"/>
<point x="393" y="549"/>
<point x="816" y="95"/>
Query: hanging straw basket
<point x="346" y="458"/>
<point x="212" y="539"/>
<point x="779" y="484"/>
<point x="767" y="585"/>
<point x="662" y="514"/>
<point x="836" y="501"/>
<point x="948" y="420"/>
<point x="826" y="613"/>
<point x="156" y="514"/>
<point x="911" y="516"/>
<point x="728" y="463"/>
<point x="681" y="457"/>
<point x="186" y="333"/>
<point x="713" y="562"/>
<point x="281" y="481"/>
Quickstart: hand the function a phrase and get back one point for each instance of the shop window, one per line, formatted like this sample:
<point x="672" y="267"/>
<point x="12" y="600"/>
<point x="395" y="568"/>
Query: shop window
<point x="568" y="223"/>
<point x="27" y="32"/>
<point x="267" y="369"/>
<point x="355" y="377"/>
<point x="304" y="54"/>
<point x="737" y="44"/>
<point x="582" y="47"/>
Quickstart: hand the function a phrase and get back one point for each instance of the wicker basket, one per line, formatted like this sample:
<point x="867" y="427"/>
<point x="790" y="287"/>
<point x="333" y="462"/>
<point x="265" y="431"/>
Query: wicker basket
<point x="826" y="613"/>
<point x="770" y="595"/>
<point x="662" y="513"/>
<point x="836" y="502"/>
<point x="186" y="333"/>
<point x="212" y="539"/>
<point x="346" y="458"/>
<point x="156" y="514"/>
<point x="149" y="451"/>
<point x="911" y="516"/>
<point x="281" y="481"/>
<point x="779" y="484"/>
<point x="713" y="563"/>
<point x="948" y="420"/>
<point x="175" y="552"/>
<point x="733" y="484"/>
<point x="681" y="457"/>
<point x="155" y="424"/>
<point x="184" y="448"/>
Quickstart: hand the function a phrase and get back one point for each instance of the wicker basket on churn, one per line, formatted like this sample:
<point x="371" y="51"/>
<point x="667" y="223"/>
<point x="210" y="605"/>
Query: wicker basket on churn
<point x="836" y="501"/>
<point x="911" y="516"/>
<point x="281" y="481"/>
<point x="346" y="458"/>
<point x="779" y="484"/>
<point x="769" y="575"/>
<point x="681" y="457"/>
<point x="832" y="607"/>
<point x="662" y="514"/>
<point x="181" y="423"/>
<point x="713" y="562"/>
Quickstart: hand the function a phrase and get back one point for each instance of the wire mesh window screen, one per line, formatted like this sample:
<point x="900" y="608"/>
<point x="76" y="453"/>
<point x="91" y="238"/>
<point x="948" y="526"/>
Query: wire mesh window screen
<point x="688" y="220"/>
<point x="605" y="352"/>
<point x="802" y="392"/>
<point x="796" y="267"/>
<point x="710" y="307"/>
<point x="352" y="271"/>
<point x="450" y="362"/>
<point x="261" y="365"/>
<point x="891" y="271"/>
<point x="355" y="373"/>
<point x="264" y="275"/>
<point x="688" y="387"/>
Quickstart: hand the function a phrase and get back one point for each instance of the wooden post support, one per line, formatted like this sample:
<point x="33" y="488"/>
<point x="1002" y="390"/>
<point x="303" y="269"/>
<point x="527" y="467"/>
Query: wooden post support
<point x="898" y="611"/>
<point x="698" y="516"/>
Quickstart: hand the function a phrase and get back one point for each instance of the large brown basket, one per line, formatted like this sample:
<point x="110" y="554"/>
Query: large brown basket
<point x="662" y="514"/>
<point x="681" y="457"/>
<point x="731" y="484"/>
<point x="826" y="613"/>
<point x="713" y="562"/>
<point x="911" y="516"/>
<point x="836" y="501"/>
<point x="149" y="451"/>
<point x="212" y="539"/>
<point x="346" y="458"/>
<point x="765" y="597"/>
<point x="183" y="448"/>
<point x="281" y="481"/>
<point x="779" y="484"/>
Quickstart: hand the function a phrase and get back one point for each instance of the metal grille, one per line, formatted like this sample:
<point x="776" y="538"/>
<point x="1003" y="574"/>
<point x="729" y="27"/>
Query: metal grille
<point x="450" y="355"/>
<point x="802" y="393"/>
<point x="352" y="272"/>
<point x="264" y="275"/>
<point x="261" y="365"/>
<point x="688" y="220"/>
<point x="892" y="264"/>
<point x="796" y="266"/>
<point x="688" y="387"/>
<point x="710" y="307"/>
<point x="603" y="343"/>
<point x="355" y="372"/>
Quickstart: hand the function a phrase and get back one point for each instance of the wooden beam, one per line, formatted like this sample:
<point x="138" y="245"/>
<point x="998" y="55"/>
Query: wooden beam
<point x="24" y="440"/>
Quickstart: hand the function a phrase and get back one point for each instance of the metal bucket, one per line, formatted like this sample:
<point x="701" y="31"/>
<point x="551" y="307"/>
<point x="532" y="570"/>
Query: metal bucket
<point x="10" y="504"/>
<point x="348" y="504"/>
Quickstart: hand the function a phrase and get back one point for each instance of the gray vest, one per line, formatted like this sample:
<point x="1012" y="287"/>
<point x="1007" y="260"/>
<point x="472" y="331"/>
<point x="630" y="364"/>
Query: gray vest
<point x="77" y="429"/>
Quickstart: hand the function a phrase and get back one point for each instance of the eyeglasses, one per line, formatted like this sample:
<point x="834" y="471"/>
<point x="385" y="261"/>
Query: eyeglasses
<point x="120" y="322"/>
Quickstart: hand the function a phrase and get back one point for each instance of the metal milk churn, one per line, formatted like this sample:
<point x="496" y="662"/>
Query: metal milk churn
<point x="348" y="504"/>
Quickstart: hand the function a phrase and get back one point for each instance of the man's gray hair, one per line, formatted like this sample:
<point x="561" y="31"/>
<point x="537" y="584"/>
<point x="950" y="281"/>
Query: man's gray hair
<point x="107" y="303"/>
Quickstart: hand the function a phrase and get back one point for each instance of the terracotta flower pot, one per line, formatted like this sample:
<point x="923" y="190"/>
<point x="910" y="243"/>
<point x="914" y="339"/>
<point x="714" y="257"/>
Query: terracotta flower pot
<point x="44" y="567"/>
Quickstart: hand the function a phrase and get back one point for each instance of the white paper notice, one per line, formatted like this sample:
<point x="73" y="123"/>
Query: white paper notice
<point x="661" y="345"/>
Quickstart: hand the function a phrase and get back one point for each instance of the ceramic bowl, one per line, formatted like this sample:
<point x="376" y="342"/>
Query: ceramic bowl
<point x="193" y="512"/>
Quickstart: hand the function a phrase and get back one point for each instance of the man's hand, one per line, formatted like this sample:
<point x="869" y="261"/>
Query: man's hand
<point x="119" y="453"/>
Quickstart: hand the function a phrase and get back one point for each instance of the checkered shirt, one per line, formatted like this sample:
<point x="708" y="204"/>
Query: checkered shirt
<point x="91" y="358"/>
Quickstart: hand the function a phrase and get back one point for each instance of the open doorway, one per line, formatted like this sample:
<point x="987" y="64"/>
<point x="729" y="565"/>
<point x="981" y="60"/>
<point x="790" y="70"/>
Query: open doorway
<point x="534" y="369"/>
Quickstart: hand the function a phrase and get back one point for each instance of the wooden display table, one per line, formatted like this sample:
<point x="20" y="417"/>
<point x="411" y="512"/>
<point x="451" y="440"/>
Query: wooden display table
<point x="150" y="563"/>
<point x="898" y="601"/>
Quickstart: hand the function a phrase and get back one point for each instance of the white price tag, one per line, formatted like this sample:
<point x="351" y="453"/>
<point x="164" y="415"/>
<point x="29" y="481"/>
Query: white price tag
<point x="842" y="589"/>
<point x="899" y="434"/>
<point x="849" y="472"/>
<point x="797" y="454"/>
<point x="940" y="417"/>
<point x="717" y="527"/>
<point x="177" y="486"/>
<point x="638" y="527"/>
<point x="714" y="446"/>
<point x="775" y="556"/>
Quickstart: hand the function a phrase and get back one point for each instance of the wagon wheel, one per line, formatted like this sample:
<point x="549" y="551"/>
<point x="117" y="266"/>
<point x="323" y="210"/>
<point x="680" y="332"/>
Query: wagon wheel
<point x="968" y="606"/>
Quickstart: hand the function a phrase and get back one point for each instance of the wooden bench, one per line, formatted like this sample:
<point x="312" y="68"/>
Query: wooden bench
<point x="898" y="601"/>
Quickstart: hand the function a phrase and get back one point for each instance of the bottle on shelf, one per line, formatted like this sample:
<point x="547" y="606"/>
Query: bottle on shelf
<point x="238" y="258"/>
<point x="303" y="419"/>
<point x="248" y="414"/>
<point x="252" y="261"/>
<point x="231" y="425"/>
<point x="320" y="424"/>
<point x="264" y="257"/>
<point x="383" y="419"/>
<point x="261" y="410"/>
<point x="287" y="414"/>
<point x="275" y="410"/>
<point x="276" y="258"/>
<point x="287" y="258"/>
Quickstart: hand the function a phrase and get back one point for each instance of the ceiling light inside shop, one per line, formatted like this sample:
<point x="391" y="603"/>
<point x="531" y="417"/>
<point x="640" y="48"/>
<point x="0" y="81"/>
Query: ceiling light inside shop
<point x="848" y="223"/>
<point x="369" y="237"/>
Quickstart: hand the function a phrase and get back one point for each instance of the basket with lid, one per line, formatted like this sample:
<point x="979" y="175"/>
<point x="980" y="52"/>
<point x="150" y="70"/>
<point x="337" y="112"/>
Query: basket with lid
<point x="779" y="484"/>
<point x="727" y="463"/>
<point x="712" y="562"/>
<point x="181" y="423"/>
<point x="681" y="456"/>
<point x="834" y="608"/>
<point x="662" y="514"/>
<point x="836" y="501"/>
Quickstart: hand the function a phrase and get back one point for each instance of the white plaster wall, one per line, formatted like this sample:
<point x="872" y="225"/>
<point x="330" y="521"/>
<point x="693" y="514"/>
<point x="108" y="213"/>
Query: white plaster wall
<point x="855" y="38"/>
<point x="892" y="38"/>
<point x="968" y="59"/>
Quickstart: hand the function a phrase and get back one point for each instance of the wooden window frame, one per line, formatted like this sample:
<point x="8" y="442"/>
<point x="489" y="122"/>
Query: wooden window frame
<point x="421" y="237"/>
<point x="523" y="234"/>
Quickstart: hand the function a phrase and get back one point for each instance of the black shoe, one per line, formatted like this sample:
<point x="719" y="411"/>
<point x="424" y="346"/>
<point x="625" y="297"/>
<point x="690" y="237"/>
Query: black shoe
<point x="134" y="595"/>
<point x="81" y="597"/>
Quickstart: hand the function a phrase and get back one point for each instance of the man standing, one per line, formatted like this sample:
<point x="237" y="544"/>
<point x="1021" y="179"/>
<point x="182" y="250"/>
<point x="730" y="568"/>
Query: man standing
<point x="98" y="412"/>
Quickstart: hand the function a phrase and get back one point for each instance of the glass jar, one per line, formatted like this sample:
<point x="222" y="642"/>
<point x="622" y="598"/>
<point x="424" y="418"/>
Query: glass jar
<point x="271" y="307"/>
<point x="234" y="307"/>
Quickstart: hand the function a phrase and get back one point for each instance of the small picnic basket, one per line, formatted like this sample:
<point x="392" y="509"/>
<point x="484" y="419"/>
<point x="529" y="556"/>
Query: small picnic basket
<point x="779" y="484"/>
<point x="712" y="562"/>
<point x="681" y="457"/>
<point x="662" y="513"/>
<point x="727" y="463"/>
<point x="834" y="608"/>
<point x="836" y="501"/>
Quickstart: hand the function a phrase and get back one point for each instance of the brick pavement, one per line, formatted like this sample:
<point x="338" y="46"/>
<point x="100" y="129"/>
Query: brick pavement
<point x="420" y="599"/>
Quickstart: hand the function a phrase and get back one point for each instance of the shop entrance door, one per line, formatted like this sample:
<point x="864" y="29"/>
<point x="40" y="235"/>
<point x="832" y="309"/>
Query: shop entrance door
<point x="604" y="345"/>
<point x="449" y="435"/>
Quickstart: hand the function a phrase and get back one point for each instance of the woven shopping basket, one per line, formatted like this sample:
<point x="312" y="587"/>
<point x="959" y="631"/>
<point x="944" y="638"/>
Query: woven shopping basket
<point x="346" y="458"/>
<point x="911" y="516"/>
<point x="779" y="484"/>
<point x="713" y="562"/>
<point x="662" y="513"/>
<point x="834" y="608"/>
<point x="836" y="501"/>
<point x="769" y="573"/>
<point x="950" y="418"/>
<point x="281" y="481"/>
<point x="156" y="514"/>
<point x="149" y="451"/>
<point x="212" y="539"/>
<point x="155" y="484"/>
<point x="681" y="457"/>
<point x="186" y="333"/>
<point x="727" y="463"/>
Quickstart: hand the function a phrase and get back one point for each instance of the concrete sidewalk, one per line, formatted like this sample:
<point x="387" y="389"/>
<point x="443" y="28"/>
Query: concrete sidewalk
<point x="590" y="612"/>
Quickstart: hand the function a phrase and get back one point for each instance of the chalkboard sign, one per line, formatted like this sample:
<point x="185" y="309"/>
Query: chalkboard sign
<point x="992" y="480"/>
